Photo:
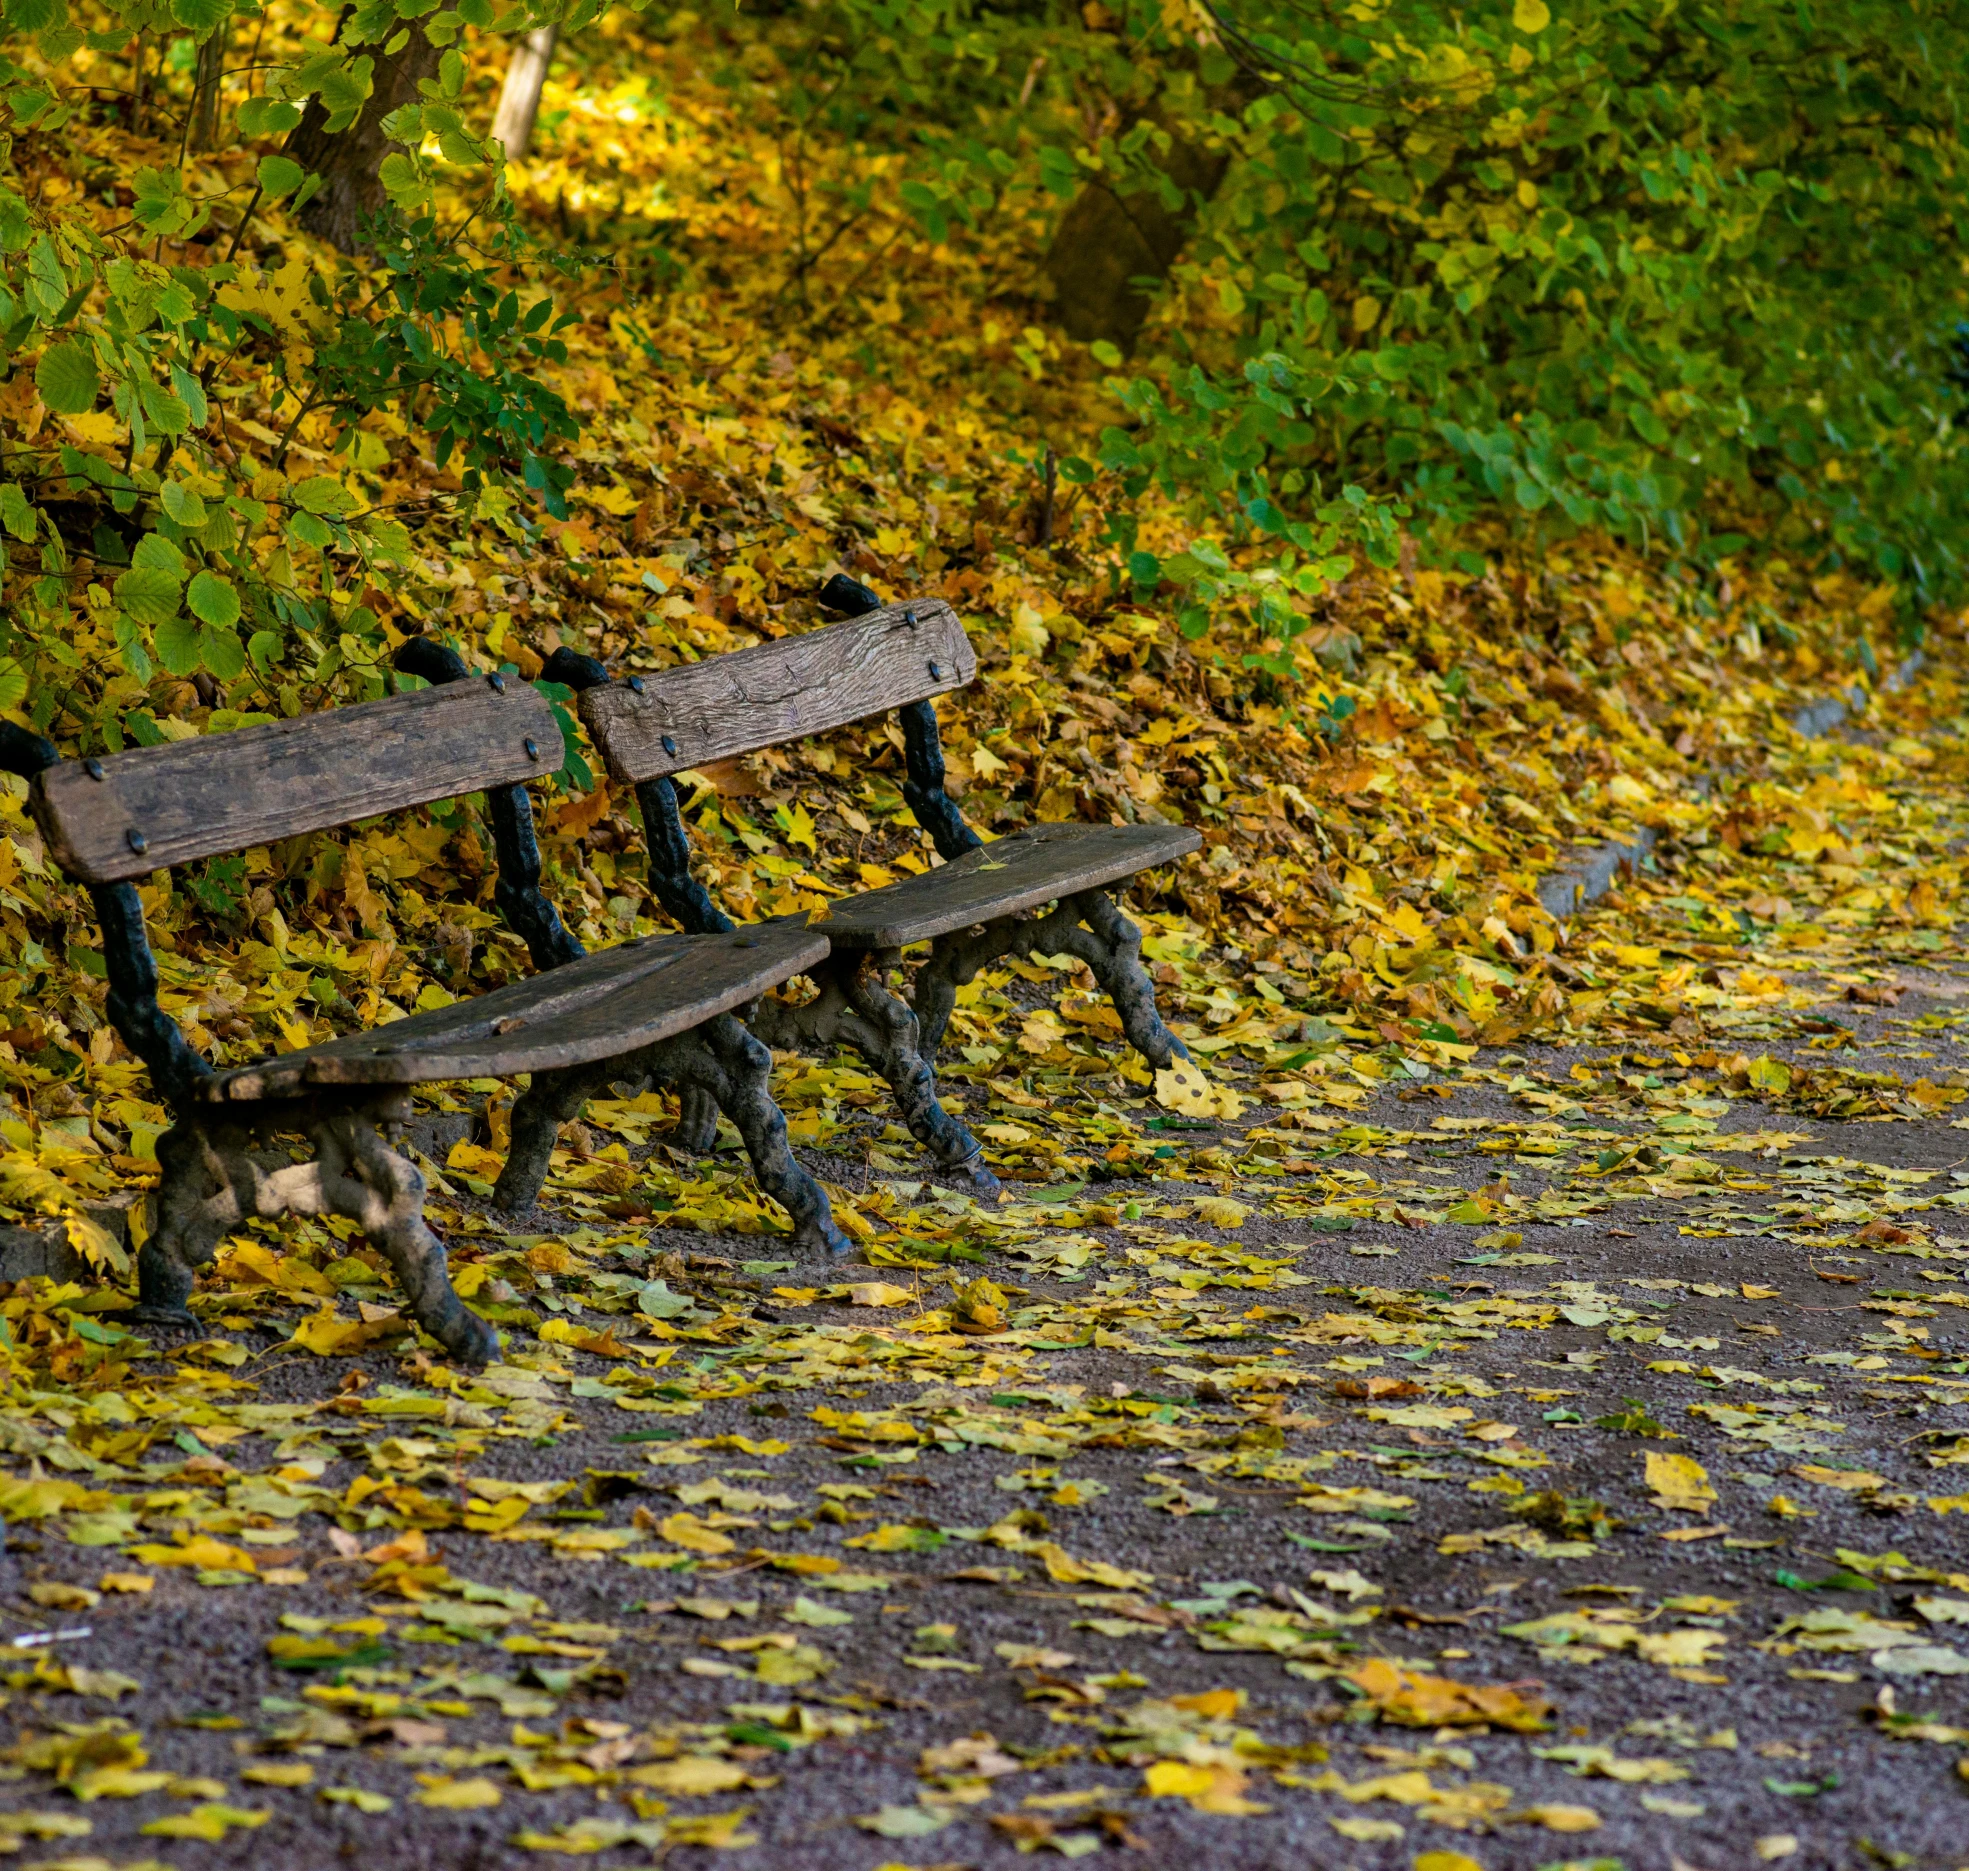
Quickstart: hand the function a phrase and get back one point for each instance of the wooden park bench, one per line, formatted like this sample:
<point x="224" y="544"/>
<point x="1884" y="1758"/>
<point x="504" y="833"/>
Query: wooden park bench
<point x="984" y="902"/>
<point x="658" y="1009"/>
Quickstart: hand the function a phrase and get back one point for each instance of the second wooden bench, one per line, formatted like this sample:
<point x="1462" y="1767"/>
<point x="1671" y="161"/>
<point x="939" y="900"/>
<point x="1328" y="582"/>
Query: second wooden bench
<point x="1043" y="890"/>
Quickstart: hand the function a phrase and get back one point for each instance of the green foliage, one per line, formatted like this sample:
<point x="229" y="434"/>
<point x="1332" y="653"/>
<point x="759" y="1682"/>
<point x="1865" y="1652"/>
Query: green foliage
<point x="1674" y="274"/>
<point x="215" y="558"/>
<point x="1614" y="269"/>
<point x="1454" y="277"/>
<point x="67" y="378"/>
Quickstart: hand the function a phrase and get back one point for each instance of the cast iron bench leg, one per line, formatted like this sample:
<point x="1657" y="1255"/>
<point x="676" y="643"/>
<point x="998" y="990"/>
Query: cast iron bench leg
<point x="854" y="1008"/>
<point x="197" y="1207"/>
<point x="1089" y="927"/>
<point x="736" y="1068"/>
<point x="550" y="1101"/>
<point x="212" y="1181"/>
<point x="697" y="1121"/>
<point x="383" y="1193"/>
<point x="719" y="1060"/>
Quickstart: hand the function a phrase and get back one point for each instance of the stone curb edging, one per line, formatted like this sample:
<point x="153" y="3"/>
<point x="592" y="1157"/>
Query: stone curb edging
<point x="1587" y="875"/>
<point x="1819" y="718"/>
<point x="38" y="1254"/>
<point x="1591" y="873"/>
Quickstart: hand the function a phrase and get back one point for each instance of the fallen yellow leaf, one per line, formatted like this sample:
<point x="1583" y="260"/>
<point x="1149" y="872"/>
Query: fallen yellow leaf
<point x="278" y="1774"/>
<point x="1557" y="1818"/>
<point x="1680" y="1484"/>
<point x="1415" y="1701"/>
<point x="1215" y="1705"/>
<point x="202" y="1551"/>
<point x="1209" y="1789"/>
<point x="689" y="1531"/>
<point x="1181" y="1088"/>
<point x="450" y="1795"/>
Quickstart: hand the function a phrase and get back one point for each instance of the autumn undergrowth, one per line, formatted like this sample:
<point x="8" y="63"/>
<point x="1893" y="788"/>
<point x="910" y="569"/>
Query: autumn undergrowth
<point x="630" y="397"/>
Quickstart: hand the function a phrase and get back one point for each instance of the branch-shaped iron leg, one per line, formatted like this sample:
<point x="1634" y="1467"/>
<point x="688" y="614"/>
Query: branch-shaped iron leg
<point x="197" y="1206"/>
<point x="856" y="1009"/>
<point x="212" y="1180"/>
<point x="538" y="1114"/>
<point x="884" y="1032"/>
<point x="953" y="962"/>
<point x="383" y="1193"/>
<point x="1089" y="927"/>
<point x="719" y="1063"/>
<point x="736" y="1068"/>
<point x="1112" y="949"/>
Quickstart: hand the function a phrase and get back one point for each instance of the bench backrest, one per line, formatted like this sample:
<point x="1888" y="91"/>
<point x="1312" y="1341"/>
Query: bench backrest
<point x="126" y="815"/>
<point x="649" y="727"/>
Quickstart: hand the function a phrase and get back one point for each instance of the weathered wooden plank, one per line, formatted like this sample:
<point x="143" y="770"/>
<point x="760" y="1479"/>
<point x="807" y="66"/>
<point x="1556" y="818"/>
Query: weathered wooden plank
<point x="1032" y="867"/>
<point x="133" y="813"/>
<point x="606" y="1004"/>
<point x="649" y="726"/>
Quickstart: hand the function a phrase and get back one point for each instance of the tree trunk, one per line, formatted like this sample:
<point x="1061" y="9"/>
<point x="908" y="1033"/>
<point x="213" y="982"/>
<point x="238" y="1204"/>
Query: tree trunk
<point x="519" y="102"/>
<point x="348" y="161"/>
<point x="1105" y="242"/>
<point x="204" y="133"/>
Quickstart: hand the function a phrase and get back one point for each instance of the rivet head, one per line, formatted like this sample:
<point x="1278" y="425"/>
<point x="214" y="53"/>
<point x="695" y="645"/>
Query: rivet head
<point x="669" y="743"/>
<point x="496" y="683"/>
<point x="532" y="747"/>
<point x="636" y="685"/>
<point x="94" y="768"/>
<point x="136" y="841"/>
<point x="936" y="672"/>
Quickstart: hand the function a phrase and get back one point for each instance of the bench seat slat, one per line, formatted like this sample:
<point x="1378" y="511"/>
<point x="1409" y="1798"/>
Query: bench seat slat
<point x="608" y="1003"/>
<point x="1020" y="872"/>
<point x="781" y="691"/>
<point x="155" y="807"/>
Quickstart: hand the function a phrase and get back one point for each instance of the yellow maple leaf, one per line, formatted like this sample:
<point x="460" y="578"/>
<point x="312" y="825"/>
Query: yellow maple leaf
<point x="850" y="1219"/>
<point x="614" y="498"/>
<point x="1412" y="1700"/>
<point x="1176" y="1780"/>
<point x="1221" y="1212"/>
<point x="1210" y="1789"/>
<point x="203" y="1552"/>
<point x="978" y="1308"/>
<point x="280" y="298"/>
<point x="1680" y="1483"/>
<point x="1678" y="1649"/>
<point x="1215" y="1705"/>
<point x="118" y="1783"/>
<point x="96" y="1244"/>
<point x="690" y="1776"/>
<point x="326" y="1335"/>
<point x="1064" y="1568"/>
